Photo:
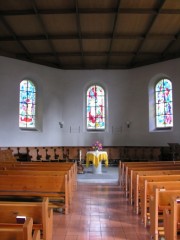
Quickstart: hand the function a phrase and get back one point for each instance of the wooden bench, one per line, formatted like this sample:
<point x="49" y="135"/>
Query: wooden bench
<point x="41" y="172"/>
<point x="7" y="155"/>
<point x="159" y="201"/>
<point x="150" y="166"/>
<point x="39" y="211"/>
<point x="124" y="165"/>
<point x="171" y="219"/>
<point x="147" y="190"/>
<point x="55" y="187"/>
<point x="129" y="184"/>
<point x="19" y="231"/>
<point x="72" y="167"/>
<point x="138" y="183"/>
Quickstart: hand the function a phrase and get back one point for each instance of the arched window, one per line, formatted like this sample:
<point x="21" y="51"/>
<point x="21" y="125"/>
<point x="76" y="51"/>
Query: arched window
<point x="27" y="105"/>
<point x="164" y="104"/>
<point x="95" y="108"/>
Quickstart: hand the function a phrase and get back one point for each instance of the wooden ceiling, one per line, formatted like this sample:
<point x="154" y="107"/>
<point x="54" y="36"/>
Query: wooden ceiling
<point x="90" y="34"/>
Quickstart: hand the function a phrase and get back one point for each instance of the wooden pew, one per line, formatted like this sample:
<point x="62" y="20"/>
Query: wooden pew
<point x="51" y="154"/>
<point x="171" y="219"/>
<point x="139" y="184"/>
<point x="59" y="154"/>
<point x="39" y="211"/>
<point x="73" y="154"/>
<point x="70" y="168"/>
<point x="42" y="154"/>
<point x="33" y="154"/>
<point x="129" y="185"/>
<point x="147" y="190"/>
<point x="149" y="166"/>
<point x="159" y="201"/>
<point x="122" y="167"/>
<point x="19" y="231"/>
<point x="41" y="172"/>
<point x="55" y="187"/>
<point x="53" y="166"/>
<point x="28" y="168"/>
<point x="58" y="166"/>
<point x="7" y="155"/>
<point x="167" y="223"/>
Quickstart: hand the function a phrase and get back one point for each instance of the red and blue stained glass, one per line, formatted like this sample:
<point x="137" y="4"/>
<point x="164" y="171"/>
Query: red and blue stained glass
<point x="164" y="104"/>
<point x="27" y="105"/>
<point x="95" y="108"/>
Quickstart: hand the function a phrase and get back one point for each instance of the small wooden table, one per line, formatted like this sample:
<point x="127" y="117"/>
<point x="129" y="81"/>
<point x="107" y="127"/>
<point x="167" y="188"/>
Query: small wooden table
<point x="96" y="158"/>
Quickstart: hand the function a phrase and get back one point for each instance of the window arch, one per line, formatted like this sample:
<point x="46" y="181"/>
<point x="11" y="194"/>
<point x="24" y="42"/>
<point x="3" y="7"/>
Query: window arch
<point x="95" y="108"/>
<point x="164" y="104"/>
<point x="27" y="105"/>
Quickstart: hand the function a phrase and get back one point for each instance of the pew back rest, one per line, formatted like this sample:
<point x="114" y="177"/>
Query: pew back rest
<point x="158" y="178"/>
<point x="19" y="232"/>
<point x="32" y="183"/>
<point x="39" y="211"/>
<point x="166" y="185"/>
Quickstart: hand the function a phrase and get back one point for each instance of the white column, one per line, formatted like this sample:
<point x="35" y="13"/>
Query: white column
<point x="98" y="169"/>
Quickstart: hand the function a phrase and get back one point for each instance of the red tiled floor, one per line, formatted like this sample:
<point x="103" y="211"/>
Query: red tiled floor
<point x="99" y="212"/>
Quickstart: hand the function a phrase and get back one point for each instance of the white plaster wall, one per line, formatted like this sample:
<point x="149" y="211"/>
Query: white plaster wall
<point x="61" y="99"/>
<point x="139" y="111"/>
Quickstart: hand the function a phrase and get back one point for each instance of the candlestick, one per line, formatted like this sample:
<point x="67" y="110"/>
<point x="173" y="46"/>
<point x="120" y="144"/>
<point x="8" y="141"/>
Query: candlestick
<point x="80" y="155"/>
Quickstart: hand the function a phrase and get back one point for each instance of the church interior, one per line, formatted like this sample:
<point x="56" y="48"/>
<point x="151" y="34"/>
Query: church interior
<point x="89" y="85"/>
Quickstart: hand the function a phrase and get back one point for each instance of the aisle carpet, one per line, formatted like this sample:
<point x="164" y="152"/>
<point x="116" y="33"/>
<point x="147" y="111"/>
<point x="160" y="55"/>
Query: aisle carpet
<point x="108" y="175"/>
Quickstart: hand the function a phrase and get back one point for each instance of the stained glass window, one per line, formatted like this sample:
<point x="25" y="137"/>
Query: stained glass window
<point x="164" y="104"/>
<point x="95" y="108"/>
<point x="27" y="104"/>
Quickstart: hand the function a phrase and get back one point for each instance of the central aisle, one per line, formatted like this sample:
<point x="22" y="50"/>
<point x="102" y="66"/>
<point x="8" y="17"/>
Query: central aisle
<point x="109" y="175"/>
<point x="99" y="212"/>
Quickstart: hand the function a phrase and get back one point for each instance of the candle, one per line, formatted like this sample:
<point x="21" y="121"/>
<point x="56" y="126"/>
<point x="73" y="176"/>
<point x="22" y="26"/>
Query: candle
<point x="80" y="155"/>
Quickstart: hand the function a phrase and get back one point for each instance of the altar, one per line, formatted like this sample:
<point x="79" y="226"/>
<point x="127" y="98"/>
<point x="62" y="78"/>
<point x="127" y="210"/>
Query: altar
<point x="96" y="158"/>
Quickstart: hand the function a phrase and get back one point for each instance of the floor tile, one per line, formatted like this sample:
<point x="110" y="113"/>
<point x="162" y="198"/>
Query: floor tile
<point x="99" y="212"/>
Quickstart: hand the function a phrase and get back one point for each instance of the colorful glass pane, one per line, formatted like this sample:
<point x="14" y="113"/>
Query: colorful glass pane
<point x="164" y="104"/>
<point x="95" y="108"/>
<point x="27" y="105"/>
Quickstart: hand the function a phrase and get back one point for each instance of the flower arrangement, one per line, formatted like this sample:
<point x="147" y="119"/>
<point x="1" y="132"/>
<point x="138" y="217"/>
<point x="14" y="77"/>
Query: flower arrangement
<point x="97" y="146"/>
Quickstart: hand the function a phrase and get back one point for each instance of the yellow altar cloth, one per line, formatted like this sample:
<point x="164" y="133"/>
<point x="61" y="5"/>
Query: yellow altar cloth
<point x="96" y="157"/>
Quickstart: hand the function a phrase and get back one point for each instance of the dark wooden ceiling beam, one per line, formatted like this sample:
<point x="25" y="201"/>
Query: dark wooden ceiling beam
<point x="94" y="66"/>
<point x="151" y="22"/>
<point x="113" y="31"/>
<point x="155" y="60"/>
<point x="36" y="11"/>
<point x="15" y="38"/>
<point x="94" y="54"/>
<point x="90" y="36"/>
<point x="102" y="66"/>
<point x="89" y="11"/>
<point x="79" y="32"/>
<point x="171" y="43"/>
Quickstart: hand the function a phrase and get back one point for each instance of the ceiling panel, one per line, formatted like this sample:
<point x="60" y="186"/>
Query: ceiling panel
<point x="97" y="4"/>
<point x="90" y="34"/>
<point x="66" y="45"/>
<point x="132" y="23"/>
<point x="64" y="23"/>
<point x="41" y="46"/>
<point x="96" y="45"/>
<point x="24" y="24"/>
<point x="96" y="23"/>
<point x="128" y="45"/>
<point x="166" y="24"/>
<point x="153" y="45"/>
